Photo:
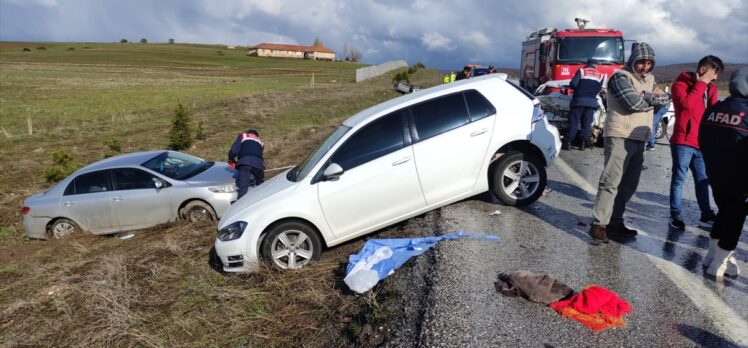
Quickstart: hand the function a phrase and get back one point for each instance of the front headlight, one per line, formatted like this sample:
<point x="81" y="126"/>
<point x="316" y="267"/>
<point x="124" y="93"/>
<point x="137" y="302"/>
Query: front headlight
<point x="232" y="231"/>
<point x="228" y="188"/>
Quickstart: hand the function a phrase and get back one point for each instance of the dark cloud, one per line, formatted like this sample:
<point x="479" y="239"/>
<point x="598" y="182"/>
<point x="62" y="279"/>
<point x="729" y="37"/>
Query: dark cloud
<point x="438" y="33"/>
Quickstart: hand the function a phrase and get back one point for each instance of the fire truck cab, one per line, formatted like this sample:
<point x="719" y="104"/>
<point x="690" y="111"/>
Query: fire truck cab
<point x="550" y="54"/>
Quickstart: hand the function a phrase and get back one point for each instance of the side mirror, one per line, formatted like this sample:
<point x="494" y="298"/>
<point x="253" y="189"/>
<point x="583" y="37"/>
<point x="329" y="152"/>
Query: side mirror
<point x="332" y="172"/>
<point x="158" y="184"/>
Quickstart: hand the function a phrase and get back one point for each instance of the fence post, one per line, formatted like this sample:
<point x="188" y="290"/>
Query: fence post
<point x="31" y="126"/>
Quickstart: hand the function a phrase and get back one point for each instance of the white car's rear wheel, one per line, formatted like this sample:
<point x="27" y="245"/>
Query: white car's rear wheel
<point x="291" y="245"/>
<point x="518" y="179"/>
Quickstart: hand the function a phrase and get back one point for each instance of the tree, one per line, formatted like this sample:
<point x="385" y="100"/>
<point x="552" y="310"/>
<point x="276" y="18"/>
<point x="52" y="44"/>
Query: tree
<point x="123" y="41"/>
<point x="318" y="42"/>
<point x="171" y="41"/>
<point x="353" y="55"/>
<point x="143" y="40"/>
<point x="180" y="135"/>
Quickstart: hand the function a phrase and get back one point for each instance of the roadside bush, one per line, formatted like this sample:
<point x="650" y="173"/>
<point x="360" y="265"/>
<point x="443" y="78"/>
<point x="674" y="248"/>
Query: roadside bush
<point x="419" y="65"/>
<point x="123" y="41"/>
<point x="171" y="41"/>
<point x="63" y="166"/>
<point x="403" y="76"/>
<point x="200" y="131"/>
<point x="180" y="136"/>
<point x="143" y="40"/>
<point x="114" y="147"/>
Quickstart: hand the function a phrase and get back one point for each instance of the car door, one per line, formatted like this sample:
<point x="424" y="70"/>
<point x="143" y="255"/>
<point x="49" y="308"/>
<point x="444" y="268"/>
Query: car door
<point x="88" y="201"/>
<point x="450" y="147"/>
<point x="137" y="201"/>
<point x="379" y="183"/>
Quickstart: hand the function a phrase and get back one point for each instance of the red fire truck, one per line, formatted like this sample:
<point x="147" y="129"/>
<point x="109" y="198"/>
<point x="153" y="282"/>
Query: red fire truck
<point x="550" y="54"/>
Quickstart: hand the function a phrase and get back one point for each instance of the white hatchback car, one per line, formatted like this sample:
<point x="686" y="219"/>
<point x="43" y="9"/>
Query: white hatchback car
<point x="391" y="162"/>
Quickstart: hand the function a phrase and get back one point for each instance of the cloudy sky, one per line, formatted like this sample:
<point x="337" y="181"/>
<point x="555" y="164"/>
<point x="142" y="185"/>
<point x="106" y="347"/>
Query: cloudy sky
<point x="439" y="33"/>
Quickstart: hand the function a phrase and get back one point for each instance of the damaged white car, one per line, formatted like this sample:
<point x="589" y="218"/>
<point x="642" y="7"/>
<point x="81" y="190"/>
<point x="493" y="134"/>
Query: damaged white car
<point x="391" y="162"/>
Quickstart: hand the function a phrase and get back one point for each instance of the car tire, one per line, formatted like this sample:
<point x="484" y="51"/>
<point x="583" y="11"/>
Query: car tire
<point x="291" y="245"/>
<point x="518" y="178"/>
<point x="660" y="131"/>
<point x="197" y="211"/>
<point x="62" y="228"/>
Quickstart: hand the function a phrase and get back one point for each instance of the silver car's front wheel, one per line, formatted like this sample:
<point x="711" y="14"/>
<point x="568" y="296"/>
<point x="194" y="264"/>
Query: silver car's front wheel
<point x="291" y="245"/>
<point x="518" y="179"/>
<point x="62" y="228"/>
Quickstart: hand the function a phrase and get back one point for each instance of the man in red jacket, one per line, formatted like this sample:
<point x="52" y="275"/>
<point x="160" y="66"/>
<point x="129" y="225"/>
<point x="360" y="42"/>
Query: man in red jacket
<point x="692" y="93"/>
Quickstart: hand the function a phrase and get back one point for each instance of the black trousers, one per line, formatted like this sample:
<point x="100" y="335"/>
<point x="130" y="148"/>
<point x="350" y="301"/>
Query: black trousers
<point x="728" y="225"/>
<point x="248" y="177"/>
<point x="577" y="115"/>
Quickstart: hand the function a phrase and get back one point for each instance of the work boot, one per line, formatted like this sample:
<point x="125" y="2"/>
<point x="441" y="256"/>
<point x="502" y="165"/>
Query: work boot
<point x="598" y="234"/>
<point x="619" y="229"/>
<point x="583" y="146"/>
<point x="718" y="266"/>
<point x="565" y="145"/>
<point x="710" y="252"/>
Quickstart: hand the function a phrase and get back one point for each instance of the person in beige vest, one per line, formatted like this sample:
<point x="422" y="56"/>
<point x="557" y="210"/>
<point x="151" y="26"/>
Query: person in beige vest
<point x="632" y="97"/>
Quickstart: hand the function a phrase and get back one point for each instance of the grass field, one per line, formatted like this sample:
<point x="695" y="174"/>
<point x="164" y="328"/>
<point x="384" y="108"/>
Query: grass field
<point x="157" y="289"/>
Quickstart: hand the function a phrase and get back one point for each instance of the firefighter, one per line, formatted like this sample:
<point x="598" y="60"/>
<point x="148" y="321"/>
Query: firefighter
<point x="452" y="76"/>
<point x="587" y="83"/>
<point x="246" y="154"/>
<point x="723" y="139"/>
<point x="446" y="79"/>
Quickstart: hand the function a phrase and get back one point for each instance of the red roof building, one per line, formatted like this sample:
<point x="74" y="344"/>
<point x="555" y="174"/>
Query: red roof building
<point x="291" y="51"/>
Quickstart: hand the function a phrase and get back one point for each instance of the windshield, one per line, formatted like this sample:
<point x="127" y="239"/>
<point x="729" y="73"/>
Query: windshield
<point x="607" y="50"/>
<point x="303" y="169"/>
<point x="177" y="165"/>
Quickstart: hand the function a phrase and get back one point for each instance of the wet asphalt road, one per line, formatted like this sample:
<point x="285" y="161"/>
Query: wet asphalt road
<point x="451" y="301"/>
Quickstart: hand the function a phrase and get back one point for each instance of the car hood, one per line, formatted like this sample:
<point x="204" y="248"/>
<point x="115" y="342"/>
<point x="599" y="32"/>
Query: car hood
<point x="269" y="188"/>
<point x="218" y="173"/>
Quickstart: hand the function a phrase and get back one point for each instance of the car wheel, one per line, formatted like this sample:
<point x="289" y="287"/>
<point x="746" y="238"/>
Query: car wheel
<point x="518" y="178"/>
<point x="197" y="211"/>
<point x="62" y="228"/>
<point x="660" y="131"/>
<point x="291" y="245"/>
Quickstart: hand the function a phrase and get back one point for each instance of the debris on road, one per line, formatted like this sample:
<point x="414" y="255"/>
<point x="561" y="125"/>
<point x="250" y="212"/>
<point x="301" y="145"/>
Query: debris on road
<point x="595" y="307"/>
<point x="381" y="257"/>
<point x="495" y="212"/>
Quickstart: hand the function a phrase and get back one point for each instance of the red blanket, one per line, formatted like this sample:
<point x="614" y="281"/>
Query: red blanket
<point x="596" y="307"/>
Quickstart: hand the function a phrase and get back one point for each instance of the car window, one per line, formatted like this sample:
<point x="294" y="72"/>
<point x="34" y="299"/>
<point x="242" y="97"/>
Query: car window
<point x="374" y="140"/>
<point x="132" y="179"/>
<point x="91" y="182"/>
<point x="478" y="105"/>
<point x="439" y="115"/>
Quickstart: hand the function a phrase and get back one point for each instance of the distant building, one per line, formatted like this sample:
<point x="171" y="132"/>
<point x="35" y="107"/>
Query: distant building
<point x="291" y="51"/>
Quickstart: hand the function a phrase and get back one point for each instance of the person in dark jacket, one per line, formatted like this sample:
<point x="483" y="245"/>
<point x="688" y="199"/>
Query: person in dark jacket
<point x="693" y="93"/>
<point x="723" y="139"/>
<point x="246" y="154"/>
<point x="587" y="83"/>
<point x="466" y="73"/>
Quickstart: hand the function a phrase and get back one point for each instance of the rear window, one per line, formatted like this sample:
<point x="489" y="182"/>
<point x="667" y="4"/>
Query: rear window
<point x="440" y="115"/>
<point x="478" y="105"/>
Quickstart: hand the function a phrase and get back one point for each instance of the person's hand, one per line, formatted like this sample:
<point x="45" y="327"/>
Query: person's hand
<point x="708" y="76"/>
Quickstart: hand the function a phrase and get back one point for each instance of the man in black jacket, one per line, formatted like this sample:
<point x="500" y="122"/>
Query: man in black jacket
<point x="246" y="153"/>
<point x="723" y="139"/>
<point x="587" y="83"/>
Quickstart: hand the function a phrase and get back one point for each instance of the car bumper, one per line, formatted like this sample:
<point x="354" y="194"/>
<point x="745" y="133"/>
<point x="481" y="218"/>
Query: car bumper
<point x="222" y="201"/>
<point x="547" y="138"/>
<point x="235" y="257"/>
<point x="36" y="227"/>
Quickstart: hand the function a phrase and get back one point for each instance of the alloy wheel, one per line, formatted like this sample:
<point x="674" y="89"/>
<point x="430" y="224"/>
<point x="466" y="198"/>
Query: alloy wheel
<point x="520" y="179"/>
<point x="291" y="249"/>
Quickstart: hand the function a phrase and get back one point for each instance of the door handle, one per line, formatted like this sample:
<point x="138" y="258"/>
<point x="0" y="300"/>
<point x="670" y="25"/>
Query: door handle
<point x="401" y="161"/>
<point x="479" y="132"/>
<point x="117" y="198"/>
<point x="69" y="204"/>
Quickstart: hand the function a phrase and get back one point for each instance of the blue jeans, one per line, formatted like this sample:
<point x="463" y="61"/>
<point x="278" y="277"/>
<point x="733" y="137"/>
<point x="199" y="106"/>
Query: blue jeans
<point x="685" y="157"/>
<point x="657" y="118"/>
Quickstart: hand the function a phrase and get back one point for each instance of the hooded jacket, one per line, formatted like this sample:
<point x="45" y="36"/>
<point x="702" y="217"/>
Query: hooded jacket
<point x="723" y="136"/>
<point x="690" y="99"/>
<point x="630" y="98"/>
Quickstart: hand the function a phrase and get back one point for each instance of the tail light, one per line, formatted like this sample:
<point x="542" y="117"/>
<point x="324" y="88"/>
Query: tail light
<point x="25" y="210"/>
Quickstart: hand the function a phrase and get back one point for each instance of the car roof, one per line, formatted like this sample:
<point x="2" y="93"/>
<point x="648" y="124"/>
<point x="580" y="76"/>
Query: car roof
<point x="130" y="159"/>
<point x="418" y="96"/>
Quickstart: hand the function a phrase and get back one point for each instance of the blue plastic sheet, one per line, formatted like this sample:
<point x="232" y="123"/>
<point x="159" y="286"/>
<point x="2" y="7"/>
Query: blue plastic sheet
<point x="381" y="257"/>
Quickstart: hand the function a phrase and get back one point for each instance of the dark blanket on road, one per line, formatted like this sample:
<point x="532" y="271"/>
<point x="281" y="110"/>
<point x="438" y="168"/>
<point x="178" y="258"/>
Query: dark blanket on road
<point x="540" y="288"/>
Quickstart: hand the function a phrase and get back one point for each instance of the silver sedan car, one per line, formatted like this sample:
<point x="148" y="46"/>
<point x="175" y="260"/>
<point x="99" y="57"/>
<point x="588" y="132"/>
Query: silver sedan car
<point x="130" y="192"/>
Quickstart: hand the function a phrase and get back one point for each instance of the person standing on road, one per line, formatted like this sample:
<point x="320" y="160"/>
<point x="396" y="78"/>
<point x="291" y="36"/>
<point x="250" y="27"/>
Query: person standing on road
<point x="246" y="153"/>
<point x="587" y="83"/>
<point x="491" y="70"/>
<point x="657" y="118"/>
<point x="466" y="73"/>
<point x="723" y="139"/>
<point x="693" y="93"/>
<point x="632" y="95"/>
